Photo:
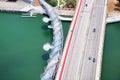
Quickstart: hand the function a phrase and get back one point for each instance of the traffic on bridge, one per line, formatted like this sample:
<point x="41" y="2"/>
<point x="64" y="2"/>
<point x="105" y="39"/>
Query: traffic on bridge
<point x="82" y="54"/>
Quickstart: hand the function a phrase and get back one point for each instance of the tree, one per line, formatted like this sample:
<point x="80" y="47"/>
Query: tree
<point x="71" y="3"/>
<point x="12" y="0"/>
<point x="52" y="2"/>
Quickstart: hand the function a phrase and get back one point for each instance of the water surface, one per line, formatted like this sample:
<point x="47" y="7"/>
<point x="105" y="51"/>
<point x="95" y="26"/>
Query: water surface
<point x="21" y="40"/>
<point x="111" y="56"/>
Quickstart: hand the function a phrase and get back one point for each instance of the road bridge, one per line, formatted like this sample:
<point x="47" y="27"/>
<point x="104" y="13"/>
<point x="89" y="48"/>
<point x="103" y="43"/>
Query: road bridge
<point x="82" y="54"/>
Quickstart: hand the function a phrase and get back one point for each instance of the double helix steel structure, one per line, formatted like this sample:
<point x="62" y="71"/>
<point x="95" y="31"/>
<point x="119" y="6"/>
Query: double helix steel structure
<point x="57" y="43"/>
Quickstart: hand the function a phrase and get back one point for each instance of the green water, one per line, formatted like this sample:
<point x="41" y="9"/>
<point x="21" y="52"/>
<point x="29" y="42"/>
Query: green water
<point x="111" y="56"/>
<point x="21" y="39"/>
<point x="22" y="56"/>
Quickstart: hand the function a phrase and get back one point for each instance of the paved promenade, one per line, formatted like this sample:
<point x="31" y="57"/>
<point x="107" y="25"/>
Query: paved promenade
<point x="14" y="6"/>
<point x="65" y="12"/>
<point x="82" y="53"/>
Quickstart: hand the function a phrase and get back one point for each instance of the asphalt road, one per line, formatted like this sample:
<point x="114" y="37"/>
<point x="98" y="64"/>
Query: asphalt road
<point x="82" y="48"/>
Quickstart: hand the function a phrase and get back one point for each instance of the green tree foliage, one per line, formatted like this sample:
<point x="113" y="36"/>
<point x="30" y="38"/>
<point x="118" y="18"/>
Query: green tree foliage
<point x="52" y="2"/>
<point x="12" y="0"/>
<point x="71" y="3"/>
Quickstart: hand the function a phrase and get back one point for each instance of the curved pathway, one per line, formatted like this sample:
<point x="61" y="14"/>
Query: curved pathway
<point x="57" y="43"/>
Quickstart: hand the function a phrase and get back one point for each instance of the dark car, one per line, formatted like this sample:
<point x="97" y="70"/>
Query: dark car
<point x="89" y="58"/>
<point x="94" y="30"/>
<point x="94" y="59"/>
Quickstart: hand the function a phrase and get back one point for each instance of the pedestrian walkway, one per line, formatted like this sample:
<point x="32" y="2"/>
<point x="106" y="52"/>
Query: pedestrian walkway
<point x="113" y="19"/>
<point x="65" y="12"/>
<point x="14" y="6"/>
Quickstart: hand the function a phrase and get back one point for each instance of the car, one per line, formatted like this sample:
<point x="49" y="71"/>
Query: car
<point x="94" y="59"/>
<point x="89" y="58"/>
<point x="94" y="30"/>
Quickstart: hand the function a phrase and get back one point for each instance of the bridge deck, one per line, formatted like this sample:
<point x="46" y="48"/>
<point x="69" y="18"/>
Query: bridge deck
<point x="82" y="54"/>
